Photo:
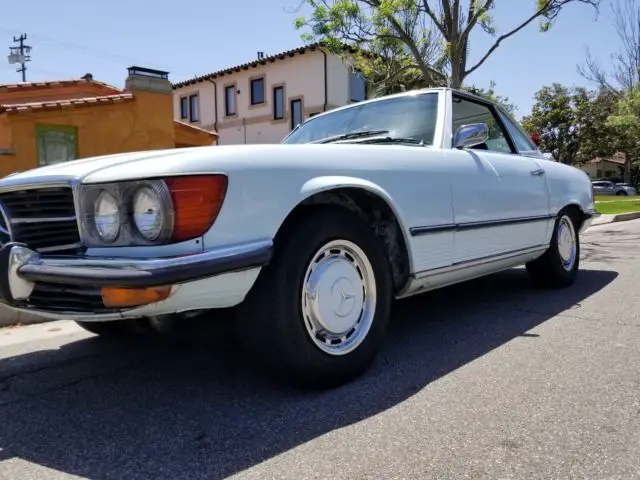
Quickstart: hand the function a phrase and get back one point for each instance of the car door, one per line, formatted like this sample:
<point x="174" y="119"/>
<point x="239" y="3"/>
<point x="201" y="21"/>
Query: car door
<point x="500" y="198"/>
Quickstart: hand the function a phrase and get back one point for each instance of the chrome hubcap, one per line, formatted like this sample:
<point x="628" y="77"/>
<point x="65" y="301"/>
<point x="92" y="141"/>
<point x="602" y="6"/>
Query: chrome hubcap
<point x="567" y="244"/>
<point x="339" y="297"/>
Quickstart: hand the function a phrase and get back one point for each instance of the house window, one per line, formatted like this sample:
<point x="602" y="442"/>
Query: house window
<point x="296" y="113"/>
<point x="257" y="91"/>
<point x="194" y="108"/>
<point x="278" y="103"/>
<point x="230" y="100"/>
<point x="357" y="87"/>
<point x="56" y="144"/>
<point x="184" y="108"/>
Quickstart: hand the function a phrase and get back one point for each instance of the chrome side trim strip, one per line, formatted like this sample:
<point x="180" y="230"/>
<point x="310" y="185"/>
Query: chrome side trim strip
<point x="480" y="261"/>
<point x="458" y="227"/>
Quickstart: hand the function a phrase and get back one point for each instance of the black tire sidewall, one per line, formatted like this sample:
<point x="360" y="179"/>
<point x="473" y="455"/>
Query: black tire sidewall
<point x="556" y="259"/>
<point x="291" y="349"/>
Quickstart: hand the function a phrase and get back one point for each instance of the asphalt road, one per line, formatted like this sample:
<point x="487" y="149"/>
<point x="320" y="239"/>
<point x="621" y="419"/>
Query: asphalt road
<point x="490" y="379"/>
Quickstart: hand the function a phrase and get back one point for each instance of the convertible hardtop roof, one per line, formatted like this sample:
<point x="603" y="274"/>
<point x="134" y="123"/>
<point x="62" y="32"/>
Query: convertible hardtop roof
<point x="405" y="94"/>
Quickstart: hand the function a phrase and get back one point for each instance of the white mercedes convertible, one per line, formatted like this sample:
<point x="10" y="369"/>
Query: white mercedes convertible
<point x="311" y="239"/>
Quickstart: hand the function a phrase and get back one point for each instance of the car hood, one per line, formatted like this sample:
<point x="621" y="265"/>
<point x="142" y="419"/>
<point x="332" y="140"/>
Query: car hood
<point x="176" y="161"/>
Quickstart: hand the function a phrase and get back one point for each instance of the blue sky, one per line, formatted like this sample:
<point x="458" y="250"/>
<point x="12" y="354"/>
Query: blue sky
<point x="73" y="37"/>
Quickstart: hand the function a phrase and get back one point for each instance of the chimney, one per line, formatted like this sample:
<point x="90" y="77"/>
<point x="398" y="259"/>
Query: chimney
<point x="260" y="55"/>
<point x="150" y="80"/>
<point x="87" y="76"/>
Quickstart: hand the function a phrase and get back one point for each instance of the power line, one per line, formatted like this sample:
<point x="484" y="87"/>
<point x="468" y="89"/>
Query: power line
<point x="20" y="55"/>
<point x="96" y="53"/>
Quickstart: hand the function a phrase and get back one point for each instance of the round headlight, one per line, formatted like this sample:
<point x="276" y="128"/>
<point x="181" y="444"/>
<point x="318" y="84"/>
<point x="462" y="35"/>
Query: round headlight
<point x="107" y="217"/>
<point x="148" y="214"/>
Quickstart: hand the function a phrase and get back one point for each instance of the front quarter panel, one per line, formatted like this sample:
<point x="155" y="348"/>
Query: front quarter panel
<point x="567" y="186"/>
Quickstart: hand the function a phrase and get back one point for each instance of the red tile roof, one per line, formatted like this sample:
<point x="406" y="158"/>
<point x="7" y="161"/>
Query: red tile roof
<point x="256" y="63"/>
<point x="27" y="86"/>
<point x="186" y="126"/>
<point x="618" y="158"/>
<point x="67" y="103"/>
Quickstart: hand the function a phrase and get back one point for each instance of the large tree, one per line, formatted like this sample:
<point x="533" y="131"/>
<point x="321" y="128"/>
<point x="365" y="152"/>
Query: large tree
<point x="625" y="122"/>
<point x="434" y="34"/>
<point x="553" y="118"/>
<point x="578" y="125"/>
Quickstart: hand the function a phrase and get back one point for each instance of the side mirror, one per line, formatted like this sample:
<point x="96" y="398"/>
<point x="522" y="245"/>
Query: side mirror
<point x="471" y="135"/>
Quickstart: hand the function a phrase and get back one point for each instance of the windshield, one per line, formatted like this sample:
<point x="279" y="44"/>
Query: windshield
<point x="412" y="116"/>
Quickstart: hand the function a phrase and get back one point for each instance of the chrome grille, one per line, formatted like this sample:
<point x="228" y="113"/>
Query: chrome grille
<point x="43" y="218"/>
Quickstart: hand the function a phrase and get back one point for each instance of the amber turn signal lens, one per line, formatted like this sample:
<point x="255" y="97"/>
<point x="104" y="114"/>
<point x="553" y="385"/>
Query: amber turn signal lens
<point x="197" y="200"/>
<point x="133" y="297"/>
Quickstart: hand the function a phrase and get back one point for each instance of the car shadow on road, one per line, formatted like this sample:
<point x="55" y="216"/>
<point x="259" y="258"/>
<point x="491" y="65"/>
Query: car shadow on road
<point x="192" y="407"/>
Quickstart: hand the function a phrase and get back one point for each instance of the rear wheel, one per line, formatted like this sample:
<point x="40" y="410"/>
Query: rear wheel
<point x="559" y="266"/>
<point x="318" y="313"/>
<point x="621" y="193"/>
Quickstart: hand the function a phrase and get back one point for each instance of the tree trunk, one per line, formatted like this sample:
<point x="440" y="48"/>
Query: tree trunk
<point x="627" y="169"/>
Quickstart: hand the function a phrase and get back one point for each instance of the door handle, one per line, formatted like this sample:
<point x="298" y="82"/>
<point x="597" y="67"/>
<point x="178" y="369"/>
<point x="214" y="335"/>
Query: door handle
<point x="537" y="172"/>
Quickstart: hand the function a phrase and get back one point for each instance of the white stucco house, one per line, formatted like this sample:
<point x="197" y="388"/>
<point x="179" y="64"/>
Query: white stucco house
<point x="263" y="100"/>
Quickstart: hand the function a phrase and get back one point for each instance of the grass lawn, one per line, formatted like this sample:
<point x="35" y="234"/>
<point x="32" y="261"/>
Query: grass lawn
<point x="612" y="205"/>
<point x="615" y="198"/>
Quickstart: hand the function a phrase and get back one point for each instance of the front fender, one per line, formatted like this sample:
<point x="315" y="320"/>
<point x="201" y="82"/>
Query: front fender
<point x="326" y="183"/>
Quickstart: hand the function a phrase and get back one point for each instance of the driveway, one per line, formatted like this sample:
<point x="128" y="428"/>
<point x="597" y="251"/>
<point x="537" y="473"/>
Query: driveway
<point x="489" y="379"/>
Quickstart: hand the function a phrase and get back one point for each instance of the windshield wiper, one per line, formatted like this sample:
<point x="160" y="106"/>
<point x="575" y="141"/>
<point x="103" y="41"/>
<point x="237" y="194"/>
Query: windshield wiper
<point x="412" y="141"/>
<point x="351" y="135"/>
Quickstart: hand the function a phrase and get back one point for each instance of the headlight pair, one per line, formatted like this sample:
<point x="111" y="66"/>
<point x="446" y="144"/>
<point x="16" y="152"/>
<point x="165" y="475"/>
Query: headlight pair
<point x="151" y="211"/>
<point x="128" y="213"/>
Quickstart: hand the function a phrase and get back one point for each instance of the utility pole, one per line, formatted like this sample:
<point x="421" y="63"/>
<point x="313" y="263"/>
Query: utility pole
<point x="20" y="55"/>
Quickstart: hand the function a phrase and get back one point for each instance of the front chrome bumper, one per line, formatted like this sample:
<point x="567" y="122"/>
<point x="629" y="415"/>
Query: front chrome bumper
<point x="587" y="219"/>
<point x="21" y="268"/>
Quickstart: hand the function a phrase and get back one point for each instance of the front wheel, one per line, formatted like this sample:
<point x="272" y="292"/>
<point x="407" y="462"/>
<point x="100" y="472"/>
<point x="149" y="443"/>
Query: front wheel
<point x="318" y="313"/>
<point x="559" y="265"/>
<point x="621" y="193"/>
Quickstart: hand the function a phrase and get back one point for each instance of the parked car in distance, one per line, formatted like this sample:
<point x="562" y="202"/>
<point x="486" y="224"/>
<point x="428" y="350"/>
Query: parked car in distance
<point x="310" y="239"/>
<point x="605" y="187"/>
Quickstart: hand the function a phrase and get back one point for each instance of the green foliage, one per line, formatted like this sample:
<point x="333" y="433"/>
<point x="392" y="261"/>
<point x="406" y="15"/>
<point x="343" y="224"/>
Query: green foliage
<point x="579" y="125"/>
<point x="424" y="38"/>
<point x="625" y="123"/>
<point x="554" y="117"/>
<point x="490" y="94"/>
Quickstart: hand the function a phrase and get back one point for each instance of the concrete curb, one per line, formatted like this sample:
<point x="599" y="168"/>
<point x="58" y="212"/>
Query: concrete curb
<point x="620" y="217"/>
<point x="10" y="317"/>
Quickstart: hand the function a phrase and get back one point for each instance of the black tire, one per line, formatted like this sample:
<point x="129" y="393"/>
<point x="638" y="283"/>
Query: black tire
<point x="621" y="193"/>
<point x="549" y="270"/>
<point x="271" y="321"/>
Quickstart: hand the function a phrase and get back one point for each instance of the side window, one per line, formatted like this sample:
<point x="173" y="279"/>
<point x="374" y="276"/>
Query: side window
<point x="522" y="141"/>
<point x="466" y="112"/>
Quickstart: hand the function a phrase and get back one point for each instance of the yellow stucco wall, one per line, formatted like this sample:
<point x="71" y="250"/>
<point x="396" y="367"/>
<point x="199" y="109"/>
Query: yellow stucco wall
<point x="146" y="123"/>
